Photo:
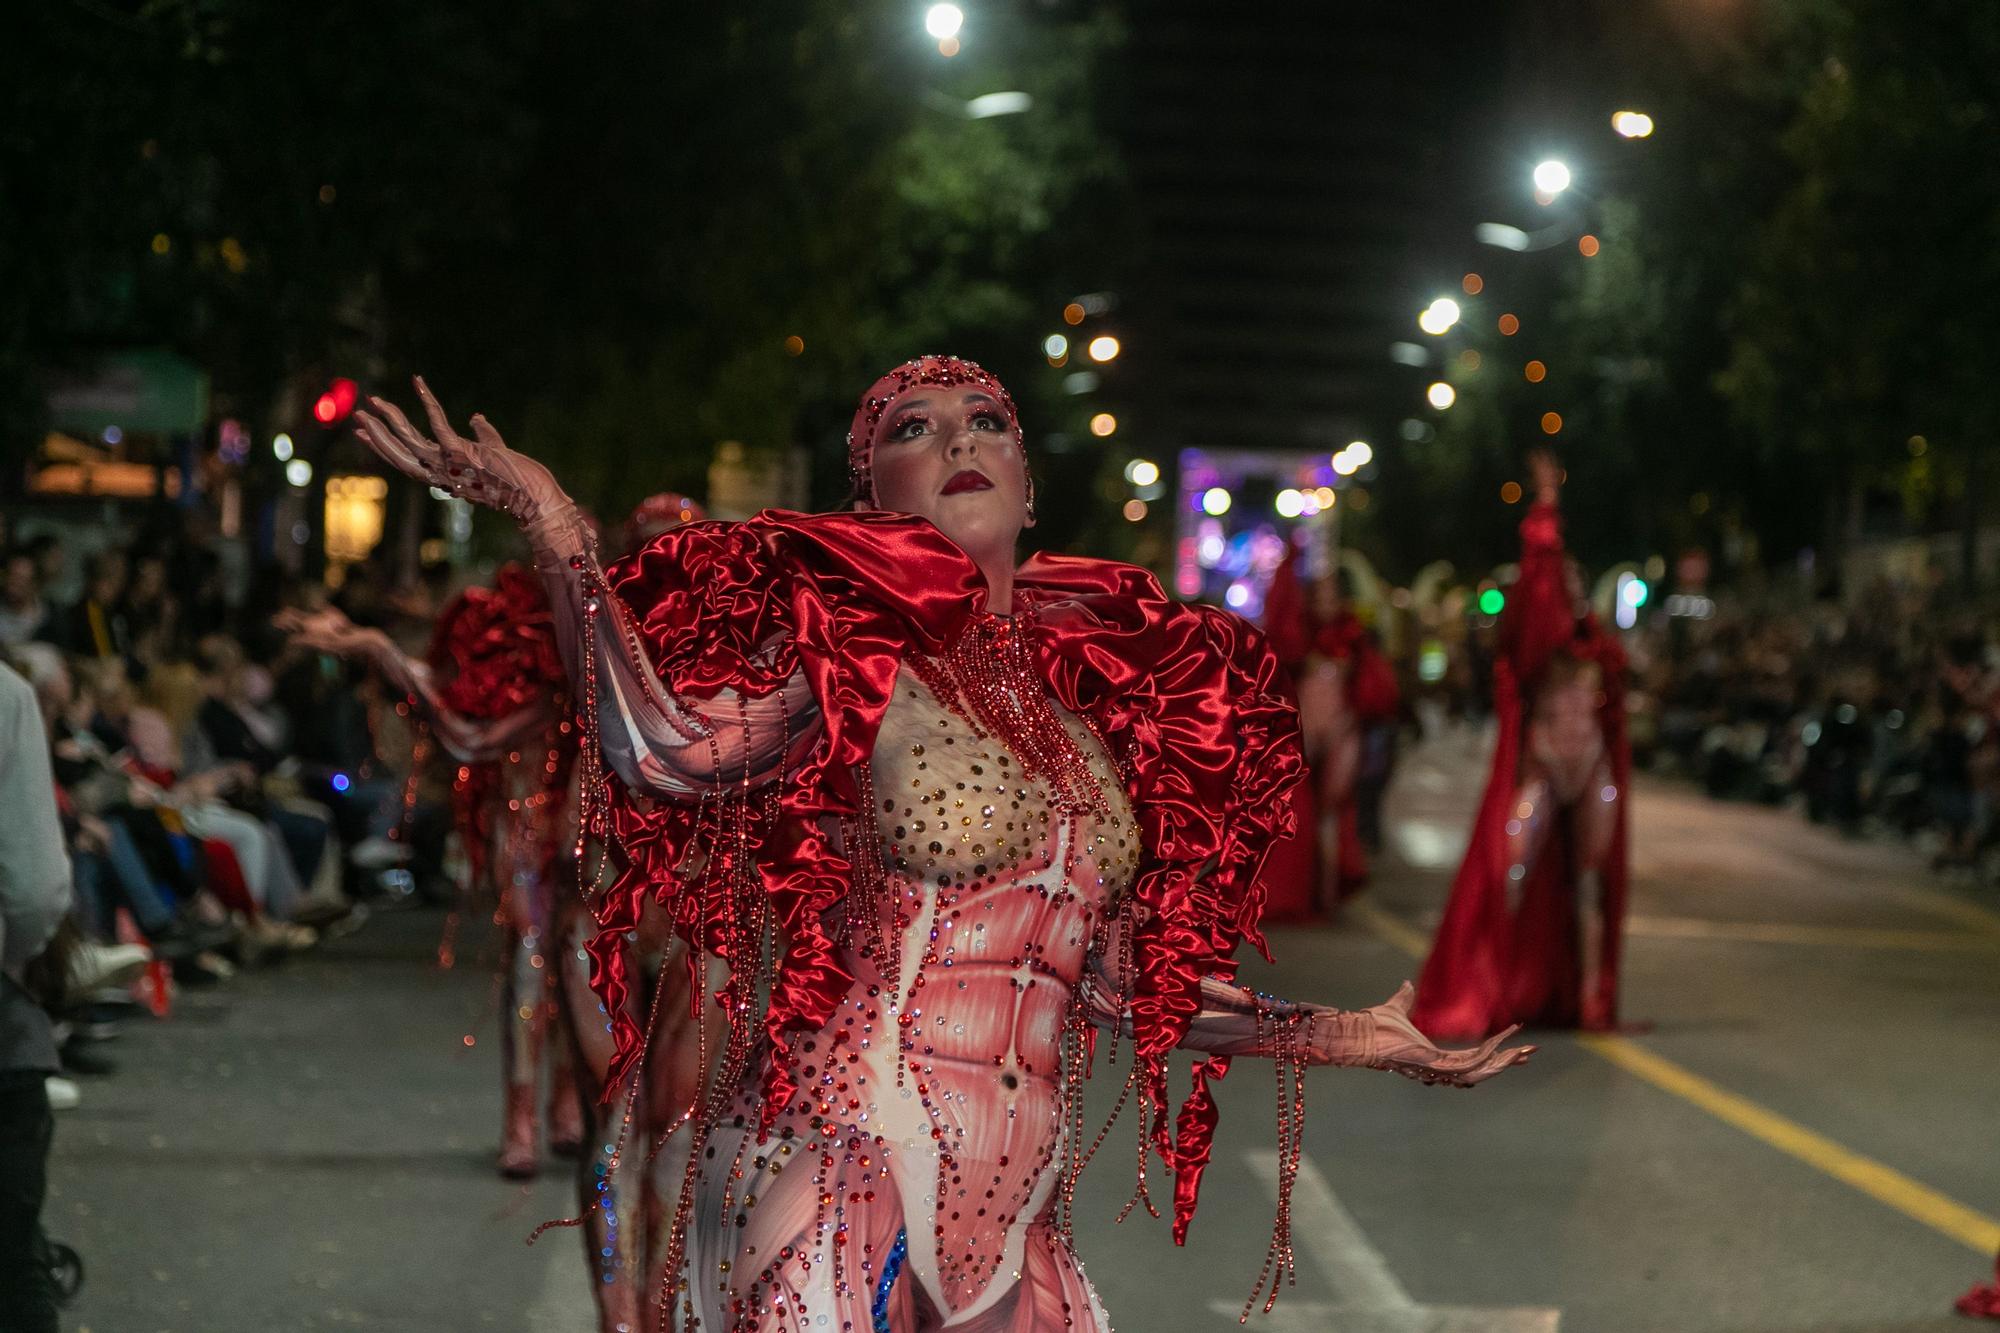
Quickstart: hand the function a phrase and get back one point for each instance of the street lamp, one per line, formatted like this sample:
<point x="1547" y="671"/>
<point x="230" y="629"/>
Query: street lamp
<point x="1104" y="348"/>
<point x="1551" y="177"/>
<point x="944" y="21"/>
<point x="1632" y="124"/>
<point x="998" y="104"/>
<point x="1438" y="316"/>
<point x="1441" y="395"/>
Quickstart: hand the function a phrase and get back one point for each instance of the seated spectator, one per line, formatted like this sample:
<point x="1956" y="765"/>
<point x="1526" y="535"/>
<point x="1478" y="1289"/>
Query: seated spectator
<point x="24" y="615"/>
<point x="95" y="626"/>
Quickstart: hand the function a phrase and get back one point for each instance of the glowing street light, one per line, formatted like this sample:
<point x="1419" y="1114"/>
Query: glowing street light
<point x="998" y="104"/>
<point x="1441" y="395"/>
<point x="1215" y="501"/>
<point x="1344" y="464"/>
<point x="1551" y="178"/>
<point x="1104" y="348"/>
<point x="1438" y="316"/>
<point x="1142" y="472"/>
<point x="1103" y="425"/>
<point x="944" y="21"/>
<point x="299" y="473"/>
<point x="1289" y="503"/>
<point x="281" y="447"/>
<point x="1632" y="124"/>
<point x="1055" y="347"/>
<point x="1360" y="452"/>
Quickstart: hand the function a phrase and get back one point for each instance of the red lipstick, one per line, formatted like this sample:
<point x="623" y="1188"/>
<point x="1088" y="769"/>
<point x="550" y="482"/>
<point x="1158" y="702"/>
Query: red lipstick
<point x="968" y="480"/>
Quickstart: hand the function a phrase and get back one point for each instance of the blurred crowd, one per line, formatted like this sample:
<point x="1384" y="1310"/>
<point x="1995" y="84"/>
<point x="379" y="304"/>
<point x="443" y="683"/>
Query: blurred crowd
<point x="224" y="801"/>
<point x="1881" y="715"/>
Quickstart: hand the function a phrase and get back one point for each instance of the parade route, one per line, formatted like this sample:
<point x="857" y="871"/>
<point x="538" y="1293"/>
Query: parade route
<point x="1801" y="1143"/>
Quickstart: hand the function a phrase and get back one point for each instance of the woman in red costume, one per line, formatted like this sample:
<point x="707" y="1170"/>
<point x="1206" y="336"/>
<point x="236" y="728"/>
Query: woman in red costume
<point x="1345" y="686"/>
<point x="1532" y="932"/>
<point x="926" y="820"/>
<point x="494" y="693"/>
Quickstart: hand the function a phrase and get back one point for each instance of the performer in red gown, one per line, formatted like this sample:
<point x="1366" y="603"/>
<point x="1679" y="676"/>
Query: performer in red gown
<point x="1533" y="929"/>
<point x="1345" y="686"/>
<point x="926" y="820"/>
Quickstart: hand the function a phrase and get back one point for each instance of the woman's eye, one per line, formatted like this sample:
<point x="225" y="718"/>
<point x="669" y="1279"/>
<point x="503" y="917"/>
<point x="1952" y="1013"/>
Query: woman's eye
<point x="987" y="421"/>
<point x="909" y="429"/>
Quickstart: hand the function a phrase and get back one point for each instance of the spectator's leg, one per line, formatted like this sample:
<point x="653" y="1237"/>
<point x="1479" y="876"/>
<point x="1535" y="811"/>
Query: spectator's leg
<point x="92" y="907"/>
<point x="141" y="893"/>
<point x="27" y="1128"/>
<point x="306" y="837"/>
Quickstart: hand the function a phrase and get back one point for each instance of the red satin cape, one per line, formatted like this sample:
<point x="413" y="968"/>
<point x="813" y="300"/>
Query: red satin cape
<point x="1195" y="707"/>
<point x="1490" y="967"/>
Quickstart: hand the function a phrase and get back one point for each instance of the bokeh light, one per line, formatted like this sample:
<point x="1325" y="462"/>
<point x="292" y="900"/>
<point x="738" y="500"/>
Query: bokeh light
<point x="942" y="21"/>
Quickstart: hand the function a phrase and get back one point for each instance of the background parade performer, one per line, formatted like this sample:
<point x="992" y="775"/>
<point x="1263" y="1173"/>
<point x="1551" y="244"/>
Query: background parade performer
<point x="1534" y="925"/>
<point x="1346" y="686"/>
<point x="493" y="691"/>
<point x="932" y="817"/>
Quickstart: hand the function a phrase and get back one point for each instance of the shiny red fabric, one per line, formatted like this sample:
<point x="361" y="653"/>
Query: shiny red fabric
<point x="1488" y="966"/>
<point x="1983" y="1301"/>
<point x="1196" y="708"/>
<point x="493" y="653"/>
<point x="493" y="650"/>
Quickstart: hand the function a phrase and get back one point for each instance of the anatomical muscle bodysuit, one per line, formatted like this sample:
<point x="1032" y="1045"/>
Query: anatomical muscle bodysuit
<point x="929" y="824"/>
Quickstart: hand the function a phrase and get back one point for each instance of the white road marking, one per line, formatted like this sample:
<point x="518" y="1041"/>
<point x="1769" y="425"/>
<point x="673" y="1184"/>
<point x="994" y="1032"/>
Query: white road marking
<point x="1367" y="1296"/>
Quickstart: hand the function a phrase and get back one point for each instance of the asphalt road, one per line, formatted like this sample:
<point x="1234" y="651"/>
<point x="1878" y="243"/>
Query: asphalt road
<point x="1805" y="1140"/>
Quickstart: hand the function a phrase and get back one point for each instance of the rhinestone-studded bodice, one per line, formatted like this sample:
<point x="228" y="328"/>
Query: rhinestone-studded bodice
<point x="956" y="814"/>
<point x="1002" y="892"/>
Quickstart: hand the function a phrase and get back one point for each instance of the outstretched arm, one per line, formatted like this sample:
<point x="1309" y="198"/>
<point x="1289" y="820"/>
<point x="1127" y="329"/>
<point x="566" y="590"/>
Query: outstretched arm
<point x="1237" y="1021"/>
<point x="468" y="740"/>
<point x="654" y="740"/>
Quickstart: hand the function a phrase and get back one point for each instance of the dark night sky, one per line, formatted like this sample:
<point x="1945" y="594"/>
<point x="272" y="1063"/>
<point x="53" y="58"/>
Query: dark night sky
<point x="1307" y="178"/>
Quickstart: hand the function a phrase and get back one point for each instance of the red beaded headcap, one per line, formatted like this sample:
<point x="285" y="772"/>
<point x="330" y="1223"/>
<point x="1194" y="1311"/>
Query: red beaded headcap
<point x="942" y="372"/>
<point x="655" y="515"/>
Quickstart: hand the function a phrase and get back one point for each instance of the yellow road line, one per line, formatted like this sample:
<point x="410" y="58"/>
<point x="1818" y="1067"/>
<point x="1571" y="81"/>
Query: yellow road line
<point x="1389" y="926"/>
<point x="1958" y="909"/>
<point x="1886" y="1185"/>
<point x="1776" y="932"/>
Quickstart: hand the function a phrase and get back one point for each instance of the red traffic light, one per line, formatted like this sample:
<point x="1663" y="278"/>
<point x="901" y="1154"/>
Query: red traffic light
<point x="335" y="403"/>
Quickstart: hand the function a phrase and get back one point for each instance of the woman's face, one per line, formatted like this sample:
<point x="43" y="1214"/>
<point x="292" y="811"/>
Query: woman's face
<point x="949" y="455"/>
